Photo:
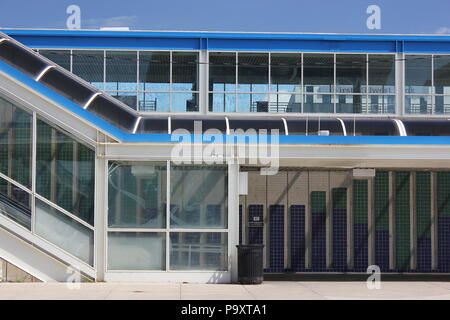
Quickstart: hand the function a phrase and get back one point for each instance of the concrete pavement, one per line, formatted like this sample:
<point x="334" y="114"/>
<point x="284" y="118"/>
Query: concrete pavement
<point x="270" y="290"/>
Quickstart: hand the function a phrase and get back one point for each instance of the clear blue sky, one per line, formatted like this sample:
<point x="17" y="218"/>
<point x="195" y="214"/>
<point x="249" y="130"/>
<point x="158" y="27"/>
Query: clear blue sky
<point x="398" y="16"/>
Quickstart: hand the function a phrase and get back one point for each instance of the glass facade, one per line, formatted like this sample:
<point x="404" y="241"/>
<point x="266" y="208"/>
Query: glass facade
<point x="137" y="195"/>
<point x="63" y="204"/>
<point x="168" y="81"/>
<point x="301" y="83"/>
<point x="147" y="81"/>
<point x="427" y="80"/>
<point x="192" y="234"/>
<point x="65" y="171"/>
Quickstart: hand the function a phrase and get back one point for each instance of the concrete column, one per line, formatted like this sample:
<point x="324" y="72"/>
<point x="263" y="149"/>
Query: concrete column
<point x="100" y="217"/>
<point x="233" y="218"/>
<point x="203" y="81"/>
<point x="400" y="83"/>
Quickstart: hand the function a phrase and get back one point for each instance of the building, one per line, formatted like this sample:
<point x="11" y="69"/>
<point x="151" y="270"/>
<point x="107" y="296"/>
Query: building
<point x="357" y="176"/>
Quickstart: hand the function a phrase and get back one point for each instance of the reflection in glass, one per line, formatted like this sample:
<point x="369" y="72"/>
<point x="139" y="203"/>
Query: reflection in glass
<point x="318" y="103"/>
<point x="442" y="74"/>
<point x="151" y="101"/>
<point x="89" y="66"/>
<point x="182" y="102"/>
<point x="351" y="73"/>
<point x="442" y="105"/>
<point x="121" y="70"/>
<point x="418" y="104"/>
<point x="222" y="71"/>
<point x="137" y="194"/>
<point x="285" y="72"/>
<point x="253" y="102"/>
<point x="381" y="74"/>
<point x="253" y="72"/>
<point x="418" y="74"/>
<point x="65" y="172"/>
<point x="136" y="251"/>
<point x="351" y="104"/>
<point x="222" y="102"/>
<point x="60" y="57"/>
<point x="184" y="71"/>
<point x="15" y="143"/>
<point x="198" y="196"/>
<point x="381" y="104"/>
<point x="154" y="71"/>
<point x="128" y="98"/>
<point x="198" y="251"/>
<point x="285" y="102"/>
<point x="65" y="232"/>
<point x="318" y="72"/>
<point x="15" y="203"/>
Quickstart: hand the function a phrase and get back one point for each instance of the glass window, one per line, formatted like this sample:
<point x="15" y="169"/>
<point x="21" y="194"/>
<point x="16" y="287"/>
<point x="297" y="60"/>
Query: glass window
<point x="154" y="101"/>
<point x="381" y="104"/>
<point x="184" y="71"/>
<point x="285" y="72"/>
<point x="351" y="73"/>
<point x="65" y="232"/>
<point x="285" y="102"/>
<point x="121" y="70"/>
<point x="253" y="102"/>
<point x="222" y="71"/>
<point x="253" y="72"/>
<point x="198" y="197"/>
<point x="222" y="102"/>
<point x="137" y="195"/>
<point x="60" y="57"/>
<point x="351" y="104"/>
<point x="136" y="251"/>
<point x="15" y="203"/>
<point x="442" y="104"/>
<point x="154" y="71"/>
<point x="65" y="171"/>
<point x="198" y="251"/>
<point x="15" y="142"/>
<point x="442" y="74"/>
<point x="128" y="98"/>
<point x="89" y="66"/>
<point x="318" y="103"/>
<point x="182" y="102"/>
<point x="418" y="104"/>
<point x="381" y="74"/>
<point x="318" y="72"/>
<point x="418" y="74"/>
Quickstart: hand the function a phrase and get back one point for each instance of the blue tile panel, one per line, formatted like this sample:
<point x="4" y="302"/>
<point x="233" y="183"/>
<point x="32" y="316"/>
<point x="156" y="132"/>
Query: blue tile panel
<point x="340" y="239"/>
<point x="255" y="234"/>
<point x="297" y="238"/>
<point x="381" y="207"/>
<point x="339" y="221"/>
<point x="318" y="234"/>
<point x="382" y="249"/>
<point x="276" y="236"/>
<point x="360" y="226"/>
<point x="443" y="209"/>
<point x="444" y="243"/>
<point x="423" y="220"/>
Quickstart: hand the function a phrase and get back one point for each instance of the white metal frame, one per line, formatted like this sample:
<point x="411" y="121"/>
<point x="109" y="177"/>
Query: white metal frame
<point x="190" y="275"/>
<point x="301" y="93"/>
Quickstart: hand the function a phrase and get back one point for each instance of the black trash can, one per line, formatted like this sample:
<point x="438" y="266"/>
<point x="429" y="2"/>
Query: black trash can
<point x="250" y="263"/>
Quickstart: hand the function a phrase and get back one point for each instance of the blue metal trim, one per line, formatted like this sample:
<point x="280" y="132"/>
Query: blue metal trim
<point x="61" y="100"/>
<point x="230" y="41"/>
<point x="167" y="138"/>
